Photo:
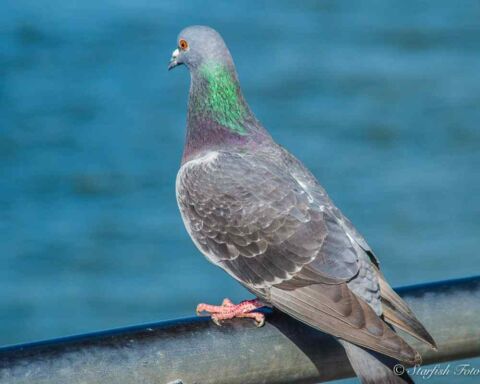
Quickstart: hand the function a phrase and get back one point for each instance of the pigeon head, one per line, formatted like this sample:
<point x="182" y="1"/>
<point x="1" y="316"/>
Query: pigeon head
<point x="218" y="115"/>
<point x="198" y="46"/>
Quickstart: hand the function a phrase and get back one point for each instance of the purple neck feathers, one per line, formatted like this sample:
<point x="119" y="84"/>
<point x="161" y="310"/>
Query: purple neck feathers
<point x="218" y="115"/>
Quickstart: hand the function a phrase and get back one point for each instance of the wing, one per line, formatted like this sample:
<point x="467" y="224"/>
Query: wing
<point x="335" y="309"/>
<point x="369" y="284"/>
<point x="310" y="183"/>
<point x="258" y="218"/>
<point x="399" y="314"/>
<point x="248" y="215"/>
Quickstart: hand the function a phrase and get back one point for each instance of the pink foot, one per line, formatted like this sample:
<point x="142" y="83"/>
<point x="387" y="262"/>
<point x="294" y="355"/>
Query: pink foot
<point x="228" y="310"/>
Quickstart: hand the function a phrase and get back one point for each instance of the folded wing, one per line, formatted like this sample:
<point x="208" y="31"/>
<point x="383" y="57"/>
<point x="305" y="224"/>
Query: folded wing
<point x="282" y="238"/>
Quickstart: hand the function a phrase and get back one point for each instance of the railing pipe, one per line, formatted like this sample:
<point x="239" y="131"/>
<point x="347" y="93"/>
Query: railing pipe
<point x="195" y="351"/>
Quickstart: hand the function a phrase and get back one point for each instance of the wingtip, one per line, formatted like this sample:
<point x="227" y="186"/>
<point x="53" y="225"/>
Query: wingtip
<point x="409" y="324"/>
<point x="426" y="338"/>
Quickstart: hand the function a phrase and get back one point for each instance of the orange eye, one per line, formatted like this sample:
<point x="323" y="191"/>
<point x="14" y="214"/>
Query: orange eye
<point x="183" y="44"/>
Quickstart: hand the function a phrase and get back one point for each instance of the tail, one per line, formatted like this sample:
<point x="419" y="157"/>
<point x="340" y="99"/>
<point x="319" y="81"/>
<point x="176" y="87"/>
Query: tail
<point x="373" y="368"/>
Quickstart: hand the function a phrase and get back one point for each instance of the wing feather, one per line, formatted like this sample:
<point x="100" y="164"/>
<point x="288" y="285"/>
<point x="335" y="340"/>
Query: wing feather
<point x="265" y="220"/>
<point x="254" y="219"/>
<point x="336" y="310"/>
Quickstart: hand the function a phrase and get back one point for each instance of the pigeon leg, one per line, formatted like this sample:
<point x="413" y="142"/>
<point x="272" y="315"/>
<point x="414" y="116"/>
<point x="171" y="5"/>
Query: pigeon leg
<point x="228" y="310"/>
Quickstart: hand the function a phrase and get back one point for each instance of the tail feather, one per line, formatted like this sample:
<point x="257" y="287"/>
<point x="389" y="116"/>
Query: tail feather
<point x="372" y="368"/>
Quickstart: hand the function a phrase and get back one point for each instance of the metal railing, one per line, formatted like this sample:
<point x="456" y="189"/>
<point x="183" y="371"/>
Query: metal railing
<point x="194" y="350"/>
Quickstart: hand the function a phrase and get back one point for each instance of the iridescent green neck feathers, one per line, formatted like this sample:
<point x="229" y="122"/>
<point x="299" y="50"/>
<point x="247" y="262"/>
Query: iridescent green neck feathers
<point x="221" y="99"/>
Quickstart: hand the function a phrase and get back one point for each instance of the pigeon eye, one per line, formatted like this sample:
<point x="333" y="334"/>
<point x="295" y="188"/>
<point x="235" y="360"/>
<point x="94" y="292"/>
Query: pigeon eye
<point x="183" y="44"/>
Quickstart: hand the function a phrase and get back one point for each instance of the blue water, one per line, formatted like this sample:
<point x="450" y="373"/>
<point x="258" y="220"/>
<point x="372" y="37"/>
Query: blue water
<point x="381" y="99"/>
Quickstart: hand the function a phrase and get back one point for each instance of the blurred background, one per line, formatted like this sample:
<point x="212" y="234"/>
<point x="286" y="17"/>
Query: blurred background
<point x="380" y="99"/>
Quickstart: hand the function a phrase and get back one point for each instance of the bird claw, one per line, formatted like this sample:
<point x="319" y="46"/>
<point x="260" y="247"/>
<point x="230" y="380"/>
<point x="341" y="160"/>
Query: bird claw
<point x="227" y="310"/>
<point x="216" y="321"/>
<point x="260" y="323"/>
<point x="200" y="311"/>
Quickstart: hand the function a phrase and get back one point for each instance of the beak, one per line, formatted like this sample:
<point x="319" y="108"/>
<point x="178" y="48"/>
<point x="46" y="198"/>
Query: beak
<point x="173" y="61"/>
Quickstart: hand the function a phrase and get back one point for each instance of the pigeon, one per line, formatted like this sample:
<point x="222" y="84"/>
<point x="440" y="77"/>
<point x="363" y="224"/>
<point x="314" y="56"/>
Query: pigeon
<point x="254" y="210"/>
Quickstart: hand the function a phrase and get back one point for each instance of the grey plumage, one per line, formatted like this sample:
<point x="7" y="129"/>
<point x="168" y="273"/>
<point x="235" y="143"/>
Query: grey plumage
<point x="255" y="211"/>
<point x="374" y="369"/>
